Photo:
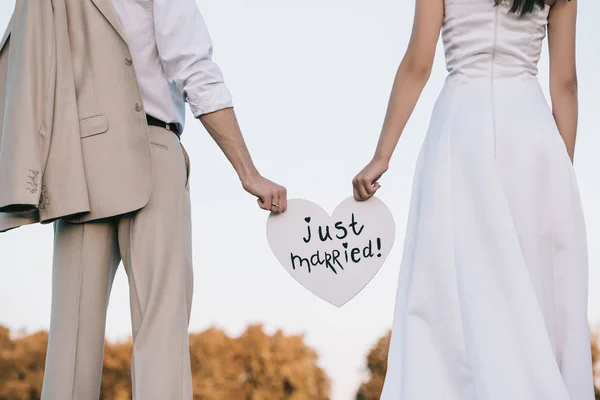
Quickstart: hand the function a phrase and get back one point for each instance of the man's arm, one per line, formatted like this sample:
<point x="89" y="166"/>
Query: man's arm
<point x="224" y="129"/>
<point x="185" y="49"/>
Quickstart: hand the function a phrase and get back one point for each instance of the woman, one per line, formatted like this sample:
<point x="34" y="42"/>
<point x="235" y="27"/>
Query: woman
<point x="492" y="296"/>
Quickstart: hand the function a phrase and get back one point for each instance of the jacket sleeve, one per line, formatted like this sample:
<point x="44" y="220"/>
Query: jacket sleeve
<point x="27" y="75"/>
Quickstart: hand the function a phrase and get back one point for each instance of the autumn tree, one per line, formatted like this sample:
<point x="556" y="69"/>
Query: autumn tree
<point x="254" y="366"/>
<point x="596" y="360"/>
<point x="116" y="372"/>
<point x="377" y="367"/>
<point x="22" y="365"/>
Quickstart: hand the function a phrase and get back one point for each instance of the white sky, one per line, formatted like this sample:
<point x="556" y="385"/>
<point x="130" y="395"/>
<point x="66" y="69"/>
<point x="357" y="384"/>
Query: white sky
<point x="310" y="81"/>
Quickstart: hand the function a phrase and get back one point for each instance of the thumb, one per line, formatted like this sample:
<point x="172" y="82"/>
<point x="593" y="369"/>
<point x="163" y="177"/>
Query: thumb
<point x="371" y="189"/>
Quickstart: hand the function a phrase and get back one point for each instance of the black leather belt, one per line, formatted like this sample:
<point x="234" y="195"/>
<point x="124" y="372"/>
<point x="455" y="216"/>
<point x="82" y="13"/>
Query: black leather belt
<point x="173" y="127"/>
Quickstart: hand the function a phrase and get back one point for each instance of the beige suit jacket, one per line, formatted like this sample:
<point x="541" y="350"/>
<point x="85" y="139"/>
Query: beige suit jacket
<point x="73" y="135"/>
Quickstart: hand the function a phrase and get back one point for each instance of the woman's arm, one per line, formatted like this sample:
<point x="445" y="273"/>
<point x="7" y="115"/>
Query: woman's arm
<point x="411" y="77"/>
<point x="563" y="71"/>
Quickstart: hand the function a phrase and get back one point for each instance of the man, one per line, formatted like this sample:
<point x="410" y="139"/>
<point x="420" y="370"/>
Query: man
<point x="134" y="64"/>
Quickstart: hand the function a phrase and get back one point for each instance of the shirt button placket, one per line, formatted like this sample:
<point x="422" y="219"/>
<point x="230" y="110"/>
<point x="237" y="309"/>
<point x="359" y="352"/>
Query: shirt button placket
<point x="128" y="61"/>
<point x="138" y="107"/>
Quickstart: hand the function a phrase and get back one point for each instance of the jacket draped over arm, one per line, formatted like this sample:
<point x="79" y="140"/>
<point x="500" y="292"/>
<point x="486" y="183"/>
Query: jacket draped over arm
<point x="40" y="142"/>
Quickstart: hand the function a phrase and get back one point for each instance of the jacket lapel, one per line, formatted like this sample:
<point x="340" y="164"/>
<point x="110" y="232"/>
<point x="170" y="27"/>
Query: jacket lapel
<point x="109" y="13"/>
<point x="7" y="33"/>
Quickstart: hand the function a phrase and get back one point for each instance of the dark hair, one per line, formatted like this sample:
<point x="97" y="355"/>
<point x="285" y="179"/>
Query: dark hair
<point x="523" y="7"/>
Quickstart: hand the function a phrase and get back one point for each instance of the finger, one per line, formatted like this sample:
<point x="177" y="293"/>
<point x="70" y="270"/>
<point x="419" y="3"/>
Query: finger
<point x="266" y="203"/>
<point x="370" y="189"/>
<point x="362" y="190"/>
<point x="357" y="195"/>
<point x="275" y="204"/>
<point x="355" y="184"/>
<point x="355" y="192"/>
<point x="283" y="200"/>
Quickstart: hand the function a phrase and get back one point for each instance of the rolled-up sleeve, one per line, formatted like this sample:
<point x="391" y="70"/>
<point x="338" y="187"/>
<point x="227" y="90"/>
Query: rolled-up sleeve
<point x="185" y="49"/>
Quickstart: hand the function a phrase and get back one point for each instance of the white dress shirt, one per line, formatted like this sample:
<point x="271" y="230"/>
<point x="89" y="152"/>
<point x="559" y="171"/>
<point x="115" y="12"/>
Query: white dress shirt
<point x="171" y="52"/>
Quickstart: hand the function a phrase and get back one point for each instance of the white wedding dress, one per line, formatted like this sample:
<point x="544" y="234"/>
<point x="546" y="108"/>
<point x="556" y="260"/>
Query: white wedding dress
<point x="492" y="296"/>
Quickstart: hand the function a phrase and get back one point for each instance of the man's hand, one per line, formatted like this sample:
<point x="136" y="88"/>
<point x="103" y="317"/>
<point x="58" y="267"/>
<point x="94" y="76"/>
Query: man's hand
<point x="222" y="125"/>
<point x="270" y="196"/>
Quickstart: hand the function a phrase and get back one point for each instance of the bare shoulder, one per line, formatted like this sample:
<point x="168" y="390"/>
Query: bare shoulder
<point x="562" y="27"/>
<point x="428" y="18"/>
<point x="558" y="7"/>
<point x="562" y="17"/>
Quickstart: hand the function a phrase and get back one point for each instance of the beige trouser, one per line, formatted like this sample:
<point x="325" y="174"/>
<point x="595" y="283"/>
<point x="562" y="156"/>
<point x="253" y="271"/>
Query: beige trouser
<point x="154" y="244"/>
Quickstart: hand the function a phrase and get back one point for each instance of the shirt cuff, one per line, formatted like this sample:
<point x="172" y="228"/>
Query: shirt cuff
<point x="215" y="99"/>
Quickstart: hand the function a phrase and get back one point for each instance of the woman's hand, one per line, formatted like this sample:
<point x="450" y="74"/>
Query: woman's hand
<point x="411" y="77"/>
<point x="366" y="183"/>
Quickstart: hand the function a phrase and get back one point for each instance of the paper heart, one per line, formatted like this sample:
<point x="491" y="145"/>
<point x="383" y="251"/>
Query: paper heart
<point x="333" y="256"/>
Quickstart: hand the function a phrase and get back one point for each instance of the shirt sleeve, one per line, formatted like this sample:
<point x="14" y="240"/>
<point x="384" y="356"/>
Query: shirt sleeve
<point x="185" y="49"/>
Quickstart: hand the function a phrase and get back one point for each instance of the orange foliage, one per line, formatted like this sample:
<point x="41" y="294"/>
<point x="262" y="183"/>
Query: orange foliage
<point x="377" y="366"/>
<point x="22" y="365"/>
<point x="254" y="366"/>
<point x="596" y="360"/>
